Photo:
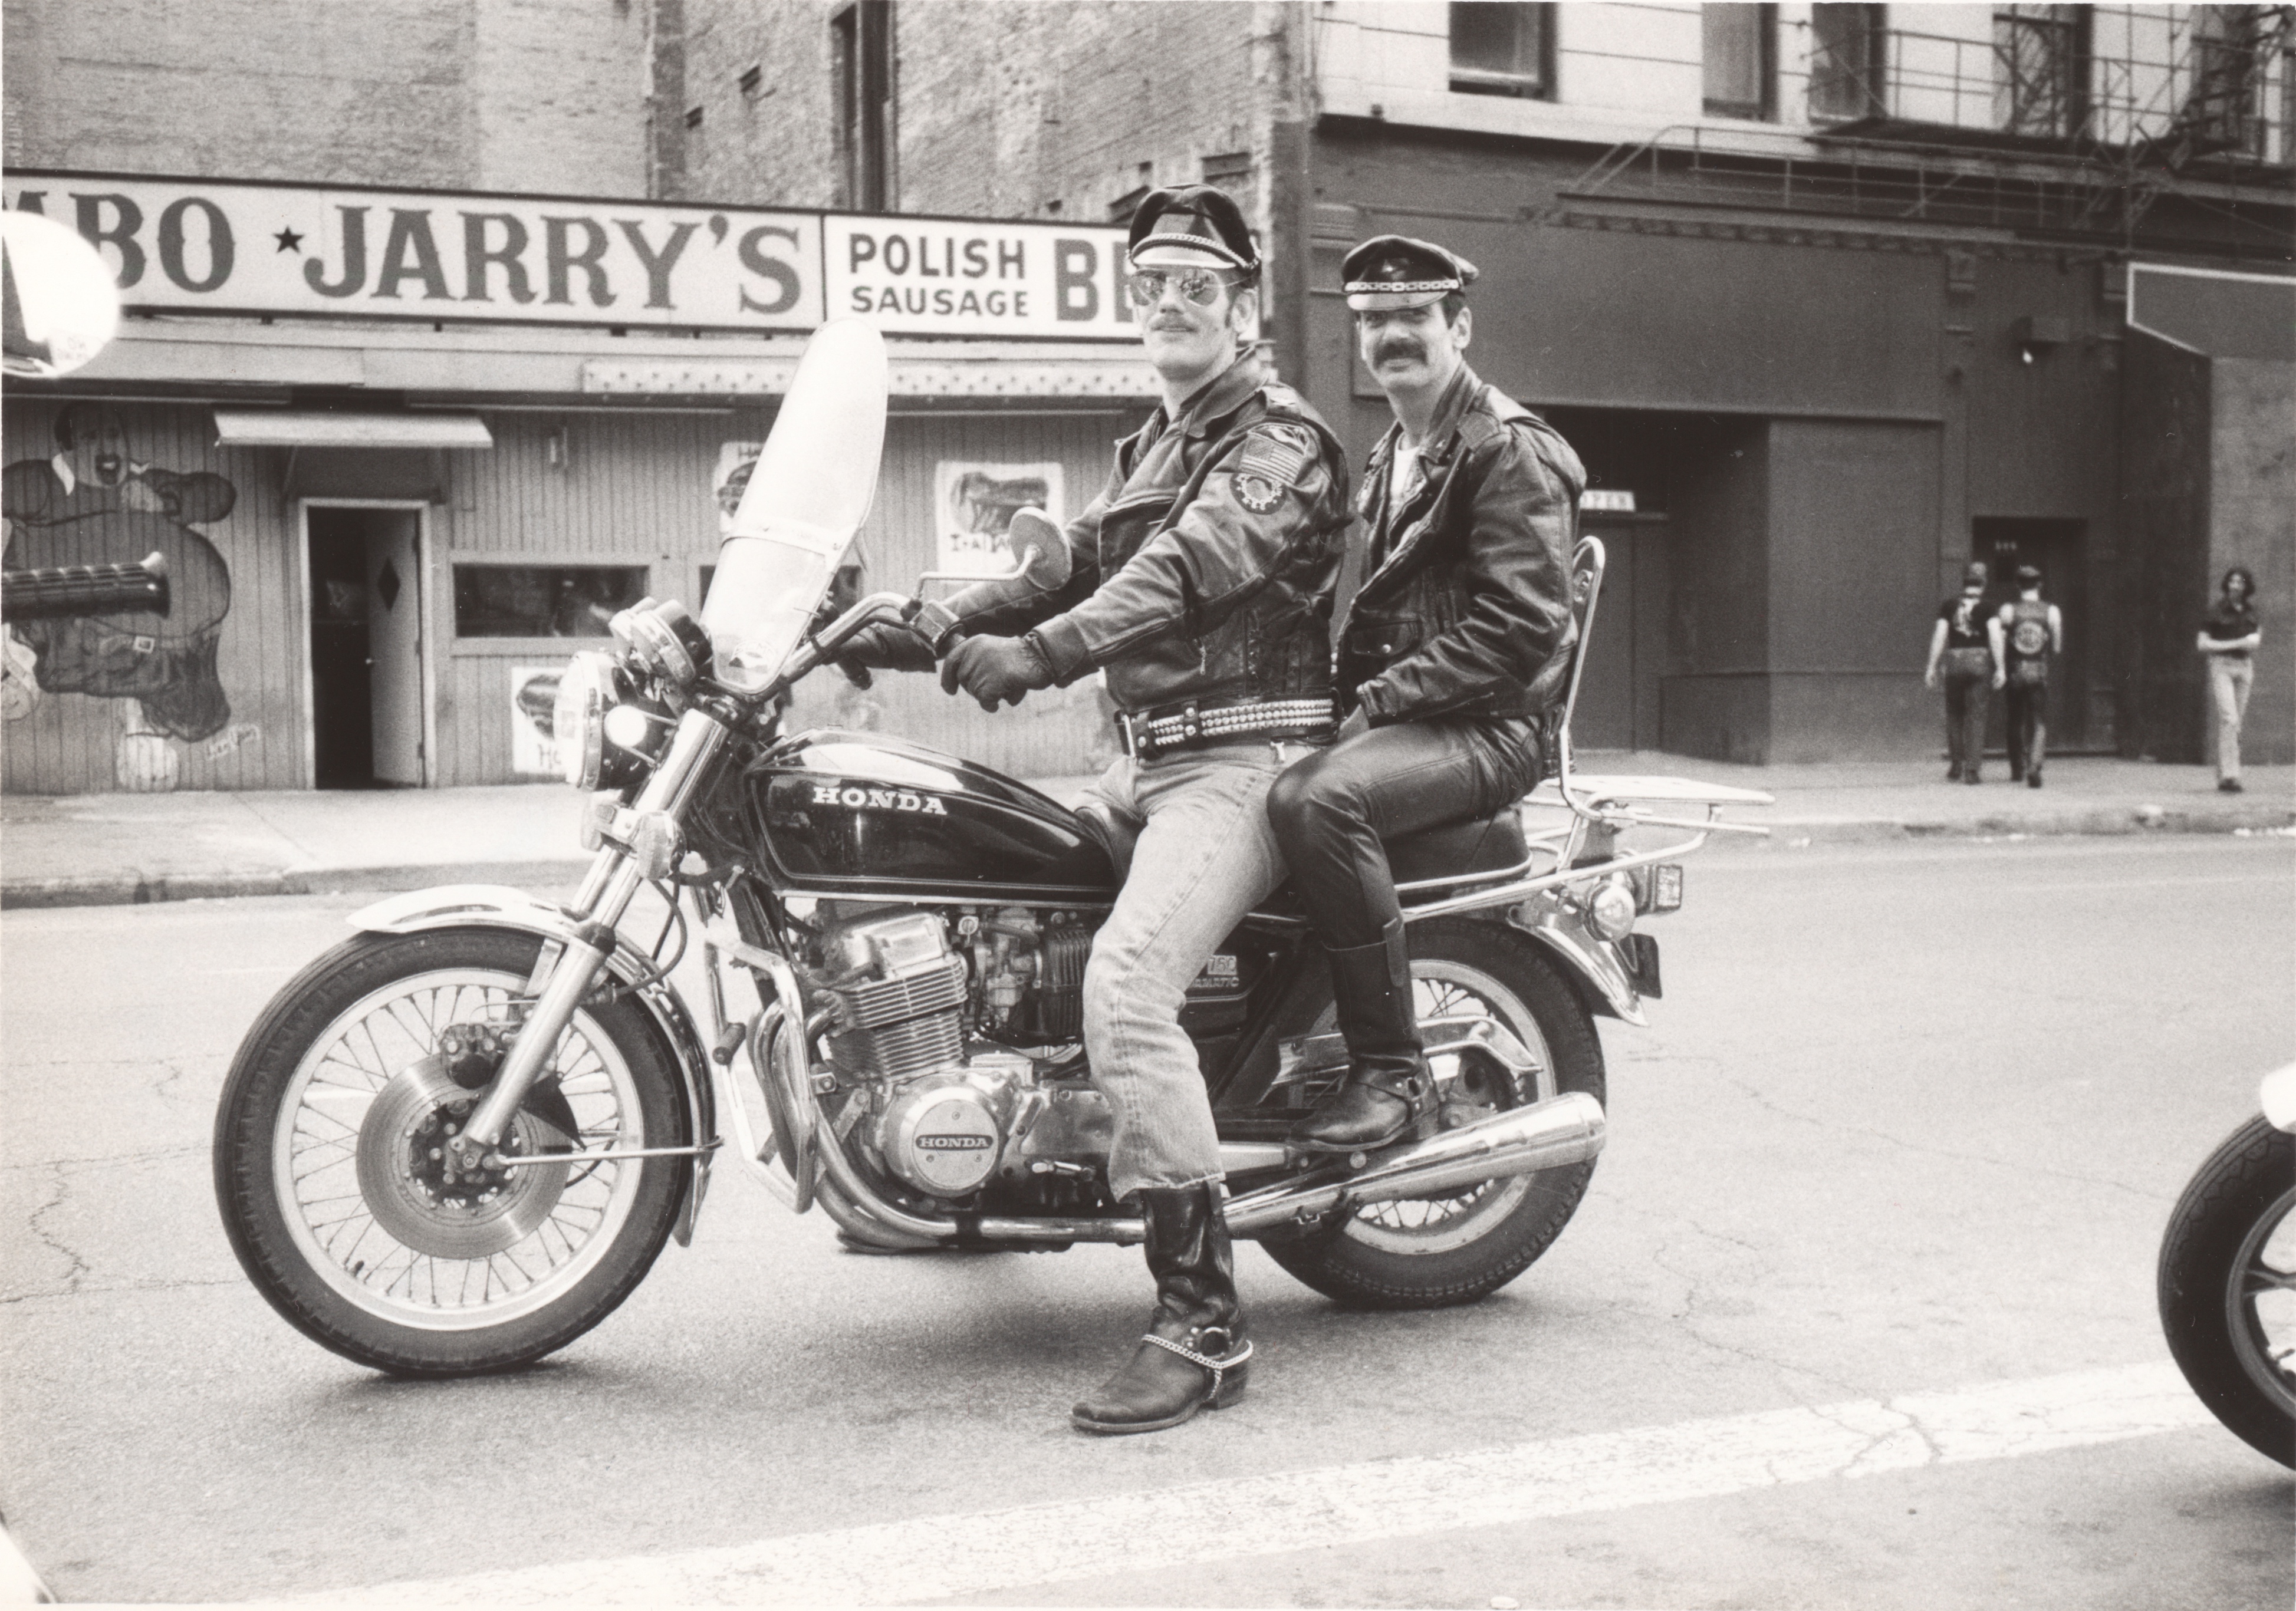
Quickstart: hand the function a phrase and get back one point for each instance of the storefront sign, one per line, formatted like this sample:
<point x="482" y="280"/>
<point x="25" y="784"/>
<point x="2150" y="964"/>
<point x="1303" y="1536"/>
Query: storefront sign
<point x="297" y="250"/>
<point x="973" y="504"/>
<point x="1607" y="501"/>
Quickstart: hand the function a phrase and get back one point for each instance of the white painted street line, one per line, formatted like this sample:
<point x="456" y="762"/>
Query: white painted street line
<point x="933" y="1557"/>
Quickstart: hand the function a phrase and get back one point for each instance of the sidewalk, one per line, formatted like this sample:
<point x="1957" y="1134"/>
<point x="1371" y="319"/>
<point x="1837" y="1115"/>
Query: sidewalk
<point x="117" y="849"/>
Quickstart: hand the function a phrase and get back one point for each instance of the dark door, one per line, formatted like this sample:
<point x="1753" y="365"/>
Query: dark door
<point x="342" y="685"/>
<point x="2054" y="549"/>
<point x="1618" y="703"/>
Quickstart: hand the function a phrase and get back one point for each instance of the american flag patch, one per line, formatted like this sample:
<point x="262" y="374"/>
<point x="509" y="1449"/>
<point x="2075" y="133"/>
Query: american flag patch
<point x="1278" y="452"/>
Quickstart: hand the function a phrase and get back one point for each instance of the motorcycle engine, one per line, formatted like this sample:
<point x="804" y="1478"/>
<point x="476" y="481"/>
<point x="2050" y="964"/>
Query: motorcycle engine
<point x="898" y="993"/>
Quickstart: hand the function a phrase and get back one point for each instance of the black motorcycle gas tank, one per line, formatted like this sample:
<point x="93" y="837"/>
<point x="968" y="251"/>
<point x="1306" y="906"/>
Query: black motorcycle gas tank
<point x="858" y="813"/>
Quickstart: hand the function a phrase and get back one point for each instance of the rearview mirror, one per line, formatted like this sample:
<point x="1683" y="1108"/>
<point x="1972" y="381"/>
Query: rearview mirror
<point x="1039" y="550"/>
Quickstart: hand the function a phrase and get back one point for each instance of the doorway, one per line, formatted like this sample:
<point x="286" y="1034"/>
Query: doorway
<point x="2053" y="547"/>
<point x="1619" y="692"/>
<point x="366" y="610"/>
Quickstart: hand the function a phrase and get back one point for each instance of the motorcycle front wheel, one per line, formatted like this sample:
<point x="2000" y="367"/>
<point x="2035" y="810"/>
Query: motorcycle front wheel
<point x="2227" y="1287"/>
<point x="342" y="1201"/>
<point x="1426" y="1253"/>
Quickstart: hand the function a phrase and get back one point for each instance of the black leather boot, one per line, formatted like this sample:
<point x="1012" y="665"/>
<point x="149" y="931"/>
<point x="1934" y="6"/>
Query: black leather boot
<point x="1387" y="1092"/>
<point x="1195" y="1353"/>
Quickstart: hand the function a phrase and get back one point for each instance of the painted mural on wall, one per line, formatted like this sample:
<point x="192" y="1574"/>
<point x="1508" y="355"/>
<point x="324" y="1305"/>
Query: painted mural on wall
<point x="94" y="503"/>
<point x="974" y="503"/>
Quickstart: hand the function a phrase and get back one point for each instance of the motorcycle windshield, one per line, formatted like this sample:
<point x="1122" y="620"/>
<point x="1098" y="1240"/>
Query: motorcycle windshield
<point x="806" y="500"/>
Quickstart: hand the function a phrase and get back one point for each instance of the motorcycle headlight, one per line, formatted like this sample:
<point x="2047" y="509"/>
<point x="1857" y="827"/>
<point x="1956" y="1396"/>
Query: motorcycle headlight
<point x="578" y="723"/>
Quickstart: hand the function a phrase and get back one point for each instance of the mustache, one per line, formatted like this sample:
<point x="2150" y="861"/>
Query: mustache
<point x="1399" y="346"/>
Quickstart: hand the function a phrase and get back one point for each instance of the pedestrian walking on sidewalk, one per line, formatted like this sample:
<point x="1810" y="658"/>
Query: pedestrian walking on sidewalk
<point x="2229" y="638"/>
<point x="1959" y="649"/>
<point x="2024" y="633"/>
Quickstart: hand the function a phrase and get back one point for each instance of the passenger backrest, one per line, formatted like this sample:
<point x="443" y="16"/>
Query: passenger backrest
<point x="1586" y="563"/>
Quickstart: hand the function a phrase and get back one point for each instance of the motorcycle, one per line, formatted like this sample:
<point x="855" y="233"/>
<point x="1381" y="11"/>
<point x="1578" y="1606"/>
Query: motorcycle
<point x="458" y="1141"/>
<point x="2227" y="1276"/>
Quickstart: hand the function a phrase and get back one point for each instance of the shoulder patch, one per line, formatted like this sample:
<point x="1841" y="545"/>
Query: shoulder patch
<point x="1256" y="493"/>
<point x="1277" y="451"/>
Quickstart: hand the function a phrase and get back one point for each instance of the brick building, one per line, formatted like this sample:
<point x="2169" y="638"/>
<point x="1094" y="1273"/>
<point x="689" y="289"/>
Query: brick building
<point x="432" y="360"/>
<point x="1833" y="297"/>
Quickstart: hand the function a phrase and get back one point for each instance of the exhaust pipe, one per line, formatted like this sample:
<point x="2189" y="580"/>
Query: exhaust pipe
<point x="1561" y="1131"/>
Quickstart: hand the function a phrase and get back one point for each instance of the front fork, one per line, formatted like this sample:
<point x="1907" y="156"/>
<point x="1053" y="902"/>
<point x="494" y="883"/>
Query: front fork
<point x="612" y="883"/>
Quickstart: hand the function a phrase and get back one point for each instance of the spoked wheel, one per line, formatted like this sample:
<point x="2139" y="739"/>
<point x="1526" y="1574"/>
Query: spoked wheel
<point x="1423" y="1253"/>
<point x="2227" y="1287"/>
<point x="342" y="1194"/>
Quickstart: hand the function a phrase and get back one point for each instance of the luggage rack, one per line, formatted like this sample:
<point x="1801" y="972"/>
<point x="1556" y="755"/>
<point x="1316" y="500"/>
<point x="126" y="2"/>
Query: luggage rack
<point x="1601" y="807"/>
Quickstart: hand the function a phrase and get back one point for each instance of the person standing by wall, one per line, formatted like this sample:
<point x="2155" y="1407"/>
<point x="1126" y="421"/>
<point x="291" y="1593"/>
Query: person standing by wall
<point x="2229" y="639"/>
<point x="2024" y="634"/>
<point x="1958" y="650"/>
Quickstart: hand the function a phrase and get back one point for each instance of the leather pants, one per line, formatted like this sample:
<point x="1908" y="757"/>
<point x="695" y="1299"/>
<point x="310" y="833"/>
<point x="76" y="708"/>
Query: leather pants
<point x="1331" y="810"/>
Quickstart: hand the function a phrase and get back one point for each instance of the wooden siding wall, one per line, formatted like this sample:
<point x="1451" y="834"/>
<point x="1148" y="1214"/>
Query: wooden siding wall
<point x="633" y="489"/>
<point x="1059" y="733"/>
<point x="70" y="743"/>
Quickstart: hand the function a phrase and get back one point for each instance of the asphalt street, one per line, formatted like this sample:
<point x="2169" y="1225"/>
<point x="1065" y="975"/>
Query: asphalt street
<point x="1903" y="1133"/>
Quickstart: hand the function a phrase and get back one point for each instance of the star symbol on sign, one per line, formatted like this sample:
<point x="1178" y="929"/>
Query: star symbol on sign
<point x="289" y="241"/>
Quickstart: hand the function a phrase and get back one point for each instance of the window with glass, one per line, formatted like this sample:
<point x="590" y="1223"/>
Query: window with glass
<point x="1500" y="47"/>
<point x="2226" y="74"/>
<point x="2040" y="80"/>
<point x="1848" y="47"/>
<point x="1740" y="60"/>
<point x="543" y="601"/>
<point x="861" y="63"/>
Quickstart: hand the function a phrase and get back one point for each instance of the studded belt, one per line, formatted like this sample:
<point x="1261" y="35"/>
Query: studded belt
<point x="1149" y="734"/>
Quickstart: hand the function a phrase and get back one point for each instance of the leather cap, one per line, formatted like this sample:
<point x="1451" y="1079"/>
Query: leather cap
<point x="1191" y="226"/>
<point x="1391" y="272"/>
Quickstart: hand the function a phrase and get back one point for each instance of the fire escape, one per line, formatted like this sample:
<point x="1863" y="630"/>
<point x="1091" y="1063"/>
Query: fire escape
<point x="2070" y="123"/>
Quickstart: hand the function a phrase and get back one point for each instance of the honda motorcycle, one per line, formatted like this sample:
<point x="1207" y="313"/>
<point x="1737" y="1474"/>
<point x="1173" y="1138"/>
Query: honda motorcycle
<point x="456" y="1142"/>
<point x="2227" y="1279"/>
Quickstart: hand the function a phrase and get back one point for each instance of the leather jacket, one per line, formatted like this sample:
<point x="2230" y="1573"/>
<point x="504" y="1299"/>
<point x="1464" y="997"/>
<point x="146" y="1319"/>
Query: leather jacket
<point x="1466" y="605"/>
<point x="1206" y="569"/>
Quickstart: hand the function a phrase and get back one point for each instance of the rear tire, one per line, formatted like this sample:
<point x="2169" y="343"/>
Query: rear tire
<point x="1430" y="1253"/>
<point x="333" y="1195"/>
<point x="2227" y="1287"/>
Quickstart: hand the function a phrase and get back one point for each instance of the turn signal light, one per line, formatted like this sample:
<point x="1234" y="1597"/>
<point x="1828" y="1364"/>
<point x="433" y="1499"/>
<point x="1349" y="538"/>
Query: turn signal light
<point x="1611" y="908"/>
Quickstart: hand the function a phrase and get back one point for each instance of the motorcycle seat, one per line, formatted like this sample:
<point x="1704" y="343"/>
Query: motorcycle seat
<point x="1457" y="851"/>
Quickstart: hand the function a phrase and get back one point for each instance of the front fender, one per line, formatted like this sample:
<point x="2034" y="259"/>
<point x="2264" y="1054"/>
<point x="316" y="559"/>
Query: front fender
<point x="2278" y="1096"/>
<point x="500" y="906"/>
<point x="1593" y="961"/>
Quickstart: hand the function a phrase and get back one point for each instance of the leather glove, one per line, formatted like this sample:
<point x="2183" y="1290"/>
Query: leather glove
<point x="885" y="646"/>
<point x="993" y="669"/>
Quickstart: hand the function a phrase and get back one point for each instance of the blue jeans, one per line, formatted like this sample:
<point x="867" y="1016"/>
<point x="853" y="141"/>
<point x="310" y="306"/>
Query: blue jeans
<point x="1205" y="857"/>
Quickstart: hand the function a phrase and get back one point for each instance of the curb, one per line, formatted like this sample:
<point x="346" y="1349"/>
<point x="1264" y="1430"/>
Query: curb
<point x="134" y="889"/>
<point x="140" y="889"/>
<point x="2107" y="822"/>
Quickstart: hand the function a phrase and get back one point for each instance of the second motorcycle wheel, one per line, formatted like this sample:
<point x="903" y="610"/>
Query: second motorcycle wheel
<point x="343" y="1201"/>
<point x="2227" y="1287"/>
<point x="1428" y="1253"/>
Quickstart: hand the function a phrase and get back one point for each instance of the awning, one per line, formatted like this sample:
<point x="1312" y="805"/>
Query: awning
<point x="287" y="428"/>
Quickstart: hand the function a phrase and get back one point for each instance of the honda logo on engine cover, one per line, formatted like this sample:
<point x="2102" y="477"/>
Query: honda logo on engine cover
<point x="953" y="1143"/>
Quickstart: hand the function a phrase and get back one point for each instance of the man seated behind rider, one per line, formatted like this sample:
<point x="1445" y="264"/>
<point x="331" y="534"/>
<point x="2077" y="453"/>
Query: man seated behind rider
<point x="1455" y="645"/>
<point x="1202" y="584"/>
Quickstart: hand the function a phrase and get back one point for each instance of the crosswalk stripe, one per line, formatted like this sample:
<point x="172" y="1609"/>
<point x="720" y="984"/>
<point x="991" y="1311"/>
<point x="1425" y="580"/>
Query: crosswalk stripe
<point x="933" y="1557"/>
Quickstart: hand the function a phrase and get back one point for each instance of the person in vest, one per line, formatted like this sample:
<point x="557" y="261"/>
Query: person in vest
<point x="1203" y="579"/>
<point x="1455" y="645"/>
<point x="1959" y="650"/>
<point x="2023" y="633"/>
<point x="2229" y="638"/>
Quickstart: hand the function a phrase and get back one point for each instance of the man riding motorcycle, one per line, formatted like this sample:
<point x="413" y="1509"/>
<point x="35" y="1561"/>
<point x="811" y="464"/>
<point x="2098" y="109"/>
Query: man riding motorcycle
<point x="1202" y="584"/>
<point x="1455" y="645"/>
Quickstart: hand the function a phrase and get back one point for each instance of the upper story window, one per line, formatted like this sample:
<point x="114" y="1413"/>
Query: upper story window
<point x="1740" y="58"/>
<point x="861" y="60"/>
<point x="2041" y="82"/>
<point x="1848" y="60"/>
<point x="1503" y="47"/>
<point x="2224" y="79"/>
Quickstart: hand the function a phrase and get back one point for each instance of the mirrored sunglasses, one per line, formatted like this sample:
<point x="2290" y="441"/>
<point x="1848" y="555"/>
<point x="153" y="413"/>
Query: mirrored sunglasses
<point x="1201" y="286"/>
